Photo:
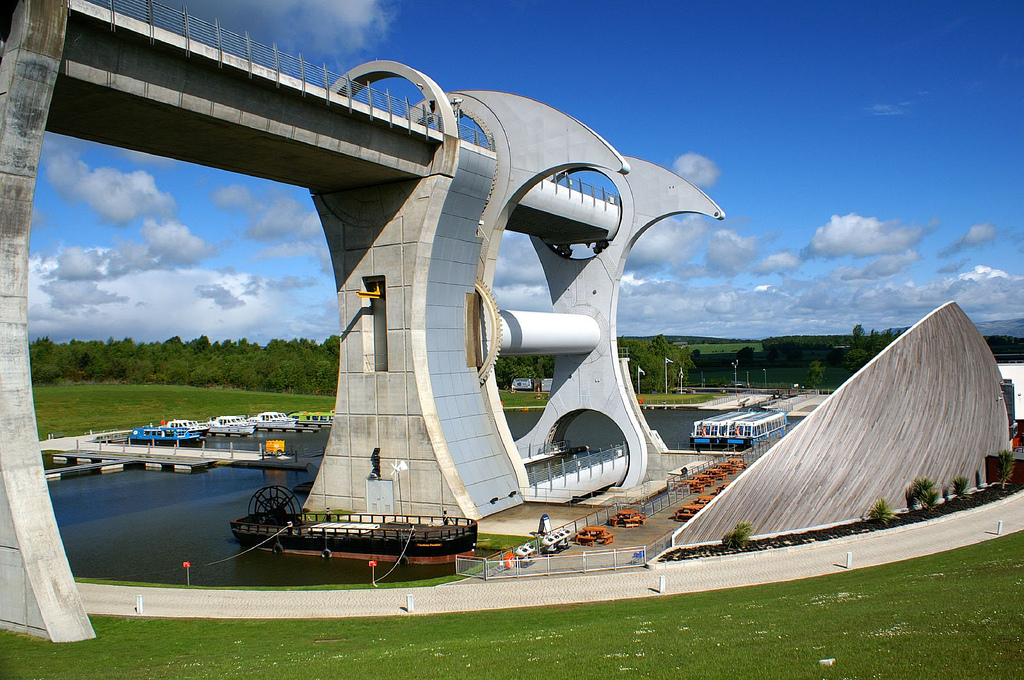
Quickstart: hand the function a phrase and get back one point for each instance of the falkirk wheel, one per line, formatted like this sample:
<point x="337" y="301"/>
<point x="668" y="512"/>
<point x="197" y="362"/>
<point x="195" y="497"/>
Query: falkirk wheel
<point x="413" y="210"/>
<point x="414" y="263"/>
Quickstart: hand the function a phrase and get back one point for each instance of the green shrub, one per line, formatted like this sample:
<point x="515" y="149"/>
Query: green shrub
<point x="881" y="511"/>
<point x="739" y="536"/>
<point x="960" y="485"/>
<point x="930" y="498"/>
<point x="1006" y="462"/>
<point x="922" y="491"/>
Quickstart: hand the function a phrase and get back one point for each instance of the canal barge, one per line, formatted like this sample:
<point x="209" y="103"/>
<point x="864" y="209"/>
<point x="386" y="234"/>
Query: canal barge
<point x="737" y="430"/>
<point x="164" y="435"/>
<point x="275" y="522"/>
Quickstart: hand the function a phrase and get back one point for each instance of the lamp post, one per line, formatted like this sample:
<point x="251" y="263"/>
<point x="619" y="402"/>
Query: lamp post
<point x="735" y="365"/>
<point x="765" y="377"/>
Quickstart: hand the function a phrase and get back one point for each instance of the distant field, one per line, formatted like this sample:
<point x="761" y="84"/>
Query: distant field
<point x="726" y="347"/>
<point x="76" y="409"/>
<point x="950" y="615"/>
<point x="776" y="377"/>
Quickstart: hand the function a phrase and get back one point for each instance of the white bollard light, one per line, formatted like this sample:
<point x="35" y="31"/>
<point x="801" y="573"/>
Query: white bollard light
<point x="661" y="584"/>
<point x="849" y="560"/>
<point x="409" y="604"/>
<point x="999" y="528"/>
<point x="138" y="604"/>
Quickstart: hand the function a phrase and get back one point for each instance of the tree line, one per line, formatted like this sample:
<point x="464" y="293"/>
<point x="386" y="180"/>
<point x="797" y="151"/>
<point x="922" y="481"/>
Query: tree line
<point x="302" y="365"/>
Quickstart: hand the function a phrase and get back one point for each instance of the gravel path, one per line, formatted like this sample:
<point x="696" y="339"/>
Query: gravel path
<point x="804" y="561"/>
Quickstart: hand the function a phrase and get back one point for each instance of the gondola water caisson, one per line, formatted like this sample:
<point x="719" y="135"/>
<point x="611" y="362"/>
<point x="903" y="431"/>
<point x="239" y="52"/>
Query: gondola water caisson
<point x="277" y="523"/>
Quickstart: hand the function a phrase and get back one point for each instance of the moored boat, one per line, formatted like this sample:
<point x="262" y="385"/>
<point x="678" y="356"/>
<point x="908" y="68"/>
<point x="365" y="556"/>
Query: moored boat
<point x="315" y="419"/>
<point x="230" y="425"/>
<point x="276" y="523"/>
<point x="163" y="435"/>
<point x="271" y="420"/>
<point x="190" y="425"/>
<point x="737" y="429"/>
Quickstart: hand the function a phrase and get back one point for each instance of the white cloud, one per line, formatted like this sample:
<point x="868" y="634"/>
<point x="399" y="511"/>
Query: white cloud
<point x="862" y="237"/>
<point x="327" y="27"/>
<point x="898" y="109"/>
<point x="782" y="261"/>
<point x="220" y="295"/>
<point x="976" y="235"/>
<point x="728" y="253"/>
<point x="879" y="268"/>
<point x="952" y="267"/>
<point x="166" y="245"/>
<point x="116" y="197"/>
<point x="274" y="217"/>
<point x="982" y="273"/>
<point x="696" y="169"/>
<point x="157" y="304"/>
<point x="78" y="297"/>
<point x="667" y="244"/>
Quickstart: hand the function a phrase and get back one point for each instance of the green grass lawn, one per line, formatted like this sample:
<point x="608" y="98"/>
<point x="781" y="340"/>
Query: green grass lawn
<point x="76" y="409"/>
<point x="777" y="377"/>
<point x="518" y="400"/>
<point x="726" y="347"/>
<point x="951" y="615"/>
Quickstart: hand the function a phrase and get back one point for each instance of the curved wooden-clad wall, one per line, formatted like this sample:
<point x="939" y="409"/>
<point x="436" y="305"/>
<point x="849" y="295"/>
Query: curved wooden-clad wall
<point x="928" y="405"/>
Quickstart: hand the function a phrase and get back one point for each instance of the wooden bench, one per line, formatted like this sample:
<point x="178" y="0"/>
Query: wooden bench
<point x="628" y="518"/>
<point x="594" y="535"/>
<point x="686" y="512"/>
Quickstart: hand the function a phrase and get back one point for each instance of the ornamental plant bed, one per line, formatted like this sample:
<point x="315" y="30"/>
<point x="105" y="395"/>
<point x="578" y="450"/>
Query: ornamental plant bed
<point x="955" y="504"/>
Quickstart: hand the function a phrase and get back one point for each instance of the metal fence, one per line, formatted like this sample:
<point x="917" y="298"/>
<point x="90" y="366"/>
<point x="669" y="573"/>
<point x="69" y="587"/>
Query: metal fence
<point x="251" y="53"/>
<point x="497" y="567"/>
<point x="552" y="468"/>
<point x="575" y="184"/>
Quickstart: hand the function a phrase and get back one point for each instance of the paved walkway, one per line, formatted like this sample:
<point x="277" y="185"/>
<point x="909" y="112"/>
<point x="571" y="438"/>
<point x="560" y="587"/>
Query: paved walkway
<point x="815" y="559"/>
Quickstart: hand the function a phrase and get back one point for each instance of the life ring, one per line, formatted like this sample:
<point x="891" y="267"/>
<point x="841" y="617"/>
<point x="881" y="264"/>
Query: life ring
<point x="278" y="548"/>
<point x="325" y="553"/>
<point x="510" y="560"/>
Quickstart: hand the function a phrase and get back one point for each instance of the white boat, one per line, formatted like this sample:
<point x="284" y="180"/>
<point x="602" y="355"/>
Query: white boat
<point x="231" y="425"/>
<point x="272" y="419"/>
<point x="190" y="425"/>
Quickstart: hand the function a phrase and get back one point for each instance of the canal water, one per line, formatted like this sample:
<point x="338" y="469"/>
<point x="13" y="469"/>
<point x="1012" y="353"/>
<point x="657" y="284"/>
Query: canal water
<point x="142" y="525"/>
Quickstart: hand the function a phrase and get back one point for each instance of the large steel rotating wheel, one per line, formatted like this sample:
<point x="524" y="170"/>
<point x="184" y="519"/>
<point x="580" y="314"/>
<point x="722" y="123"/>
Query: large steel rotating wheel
<point x="274" y="505"/>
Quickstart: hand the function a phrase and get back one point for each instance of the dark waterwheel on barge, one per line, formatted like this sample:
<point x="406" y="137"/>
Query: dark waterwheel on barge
<point x="276" y="522"/>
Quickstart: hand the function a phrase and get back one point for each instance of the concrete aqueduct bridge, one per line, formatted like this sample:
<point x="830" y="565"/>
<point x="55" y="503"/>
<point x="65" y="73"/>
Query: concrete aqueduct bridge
<point x="414" y="199"/>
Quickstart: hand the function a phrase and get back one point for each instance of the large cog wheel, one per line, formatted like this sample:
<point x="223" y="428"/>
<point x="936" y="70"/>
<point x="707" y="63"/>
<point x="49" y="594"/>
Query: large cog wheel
<point x="492" y="330"/>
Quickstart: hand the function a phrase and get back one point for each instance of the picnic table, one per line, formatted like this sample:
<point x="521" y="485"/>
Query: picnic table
<point x="687" y="511"/>
<point x="595" y="535"/>
<point x="628" y="518"/>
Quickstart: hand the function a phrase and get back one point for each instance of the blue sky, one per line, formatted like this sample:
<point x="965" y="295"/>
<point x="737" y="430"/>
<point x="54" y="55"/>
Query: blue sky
<point x="869" y="157"/>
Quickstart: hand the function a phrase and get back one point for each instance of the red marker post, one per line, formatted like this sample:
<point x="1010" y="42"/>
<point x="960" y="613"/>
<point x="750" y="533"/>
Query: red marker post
<point x="188" y="572"/>
<point x="373" y="572"/>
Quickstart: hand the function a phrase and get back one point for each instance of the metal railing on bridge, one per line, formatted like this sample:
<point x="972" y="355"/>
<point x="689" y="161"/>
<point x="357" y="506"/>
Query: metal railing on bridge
<point x="552" y="468"/>
<point x="566" y="180"/>
<point x="253" y="53"/>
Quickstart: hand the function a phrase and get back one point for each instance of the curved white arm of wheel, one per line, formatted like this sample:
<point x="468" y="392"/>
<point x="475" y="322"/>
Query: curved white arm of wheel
<point x="526" y="333"/>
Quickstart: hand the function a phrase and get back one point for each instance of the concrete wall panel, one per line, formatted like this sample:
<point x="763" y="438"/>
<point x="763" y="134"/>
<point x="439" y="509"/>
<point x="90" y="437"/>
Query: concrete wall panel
<point x="928" y="405"/>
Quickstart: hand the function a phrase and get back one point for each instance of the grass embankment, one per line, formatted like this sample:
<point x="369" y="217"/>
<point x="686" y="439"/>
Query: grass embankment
<point x="949" y="615"/>
<point x="519" y="400"/>
<point x="75" y="409"/>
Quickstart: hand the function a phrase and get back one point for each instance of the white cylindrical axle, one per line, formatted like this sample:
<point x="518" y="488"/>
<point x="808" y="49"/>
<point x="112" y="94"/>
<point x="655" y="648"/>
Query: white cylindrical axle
<point x="534" y="333"/>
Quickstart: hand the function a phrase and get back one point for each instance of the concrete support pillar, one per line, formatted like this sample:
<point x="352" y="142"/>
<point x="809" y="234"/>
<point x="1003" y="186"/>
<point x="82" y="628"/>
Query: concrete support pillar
<point x="408" y="376"/>
<point x="38" y="594"/>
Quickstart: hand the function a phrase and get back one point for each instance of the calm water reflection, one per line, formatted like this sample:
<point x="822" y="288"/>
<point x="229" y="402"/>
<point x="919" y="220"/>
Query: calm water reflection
<point x="140" y="526"/>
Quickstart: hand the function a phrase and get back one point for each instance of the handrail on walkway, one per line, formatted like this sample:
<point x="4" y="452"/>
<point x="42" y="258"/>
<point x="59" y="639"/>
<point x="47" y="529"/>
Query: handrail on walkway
<point x="249" y="53"/>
